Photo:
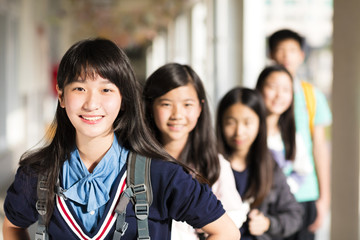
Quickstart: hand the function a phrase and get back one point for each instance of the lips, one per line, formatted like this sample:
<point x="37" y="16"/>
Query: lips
<point x="91" y="119"/>
<point x="278" y="104"/>
<point x="175" y="126"/>
<point x="239" y="141"/>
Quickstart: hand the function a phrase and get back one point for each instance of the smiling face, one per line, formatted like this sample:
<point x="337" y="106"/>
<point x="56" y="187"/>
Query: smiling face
<point x="240" y="127"/>
<point x="289" y="54"/>
<point x="92" y="105"/>
<point x="176" y="114"/>
<point x="277" y="92"/>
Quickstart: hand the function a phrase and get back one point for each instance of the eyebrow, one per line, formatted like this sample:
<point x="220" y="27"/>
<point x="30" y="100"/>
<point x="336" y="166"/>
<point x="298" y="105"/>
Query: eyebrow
<point x="167" y="99"/>
<point x="229" y="117"/>
<point x="104" y="80"/>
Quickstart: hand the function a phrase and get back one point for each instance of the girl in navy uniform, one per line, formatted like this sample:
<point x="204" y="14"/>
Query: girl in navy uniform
<point x="99" y="120"/>
<point x="179" y="116"/>
<point x="241" y="132"/>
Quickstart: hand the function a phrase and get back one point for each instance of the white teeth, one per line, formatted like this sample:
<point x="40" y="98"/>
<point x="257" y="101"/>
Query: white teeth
<point x="91" y="118"/>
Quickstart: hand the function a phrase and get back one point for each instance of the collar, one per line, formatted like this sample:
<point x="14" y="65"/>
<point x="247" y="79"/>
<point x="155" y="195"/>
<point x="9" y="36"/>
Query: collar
<point x="296" y="84"/>
<point x="92" y="189"/>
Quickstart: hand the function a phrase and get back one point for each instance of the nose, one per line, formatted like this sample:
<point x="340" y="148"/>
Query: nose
<point x="287" y="56"/>
<point x="92" y="102"/>
<point x="177" y="112"/>
<point x="240" y="129"/>
<point x="277" y="92"/>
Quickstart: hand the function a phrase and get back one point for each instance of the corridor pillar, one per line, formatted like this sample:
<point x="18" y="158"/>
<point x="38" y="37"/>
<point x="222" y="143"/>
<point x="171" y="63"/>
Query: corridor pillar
<point x="346" y="124"/>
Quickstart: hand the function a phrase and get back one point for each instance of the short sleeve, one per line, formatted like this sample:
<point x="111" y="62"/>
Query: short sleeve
<point x="188" y="200"/>
<point x="323" y="114"/>
<point x="19" y="205"/>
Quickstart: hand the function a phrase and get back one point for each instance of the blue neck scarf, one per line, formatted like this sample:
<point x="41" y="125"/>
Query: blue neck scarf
<point x="91" y="190"/>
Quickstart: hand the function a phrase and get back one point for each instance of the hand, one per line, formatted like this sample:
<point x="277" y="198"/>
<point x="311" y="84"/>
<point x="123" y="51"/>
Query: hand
<point x="258" y="223"/>
<point x="201" y="234"/>
<point x="322" y="209"/>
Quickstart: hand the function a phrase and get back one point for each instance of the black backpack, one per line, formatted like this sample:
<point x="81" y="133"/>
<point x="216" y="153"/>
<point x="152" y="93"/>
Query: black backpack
<point x="138" y="190"/>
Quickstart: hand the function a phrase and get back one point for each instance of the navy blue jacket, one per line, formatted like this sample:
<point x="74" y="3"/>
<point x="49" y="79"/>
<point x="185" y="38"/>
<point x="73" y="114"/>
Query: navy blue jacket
<point x="279" y="206"/>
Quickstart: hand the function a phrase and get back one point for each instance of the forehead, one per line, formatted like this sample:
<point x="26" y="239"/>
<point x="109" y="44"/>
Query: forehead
<point x="86" y="73"/>
<point x="288" y="43"/>
<point x="279" y="77"/>
<point x="186" y="92"/>
<point x="240" y="111"/>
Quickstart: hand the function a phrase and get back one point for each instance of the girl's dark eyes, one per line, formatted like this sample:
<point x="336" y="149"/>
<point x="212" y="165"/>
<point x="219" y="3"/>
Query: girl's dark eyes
<point x="229" y="122"/>
<point x="106" y="90"/>
<point x="79" y="89"/>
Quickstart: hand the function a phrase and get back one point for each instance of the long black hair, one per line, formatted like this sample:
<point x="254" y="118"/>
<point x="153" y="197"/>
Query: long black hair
<point x="200" y="150"/>
<point x="258" y="160"/>
<point x="89" y="58"/>
<point x="286" y="121"/>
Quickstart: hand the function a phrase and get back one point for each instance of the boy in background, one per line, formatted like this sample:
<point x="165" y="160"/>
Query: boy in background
<point x="312" y="116"/>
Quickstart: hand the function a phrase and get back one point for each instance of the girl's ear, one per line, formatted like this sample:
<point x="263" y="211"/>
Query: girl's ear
<point x="202" y="104"/>
<point x="60" y="96"/>
<point x="201" y="107"/>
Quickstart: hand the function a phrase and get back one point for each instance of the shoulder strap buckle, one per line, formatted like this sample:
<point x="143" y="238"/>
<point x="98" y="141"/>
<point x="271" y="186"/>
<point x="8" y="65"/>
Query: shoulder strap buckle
<point x="41" y="206"/>
<point x="142" y="210"/>
<point x="60" y="191"/>
<point x="140" y="188"/>
<point x="42" y="185"/>
<point x="119" y="232"/>
<point x="40" y="236"/>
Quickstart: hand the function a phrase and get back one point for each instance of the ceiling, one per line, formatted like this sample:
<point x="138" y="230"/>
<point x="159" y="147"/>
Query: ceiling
<point x="128" y="22"/>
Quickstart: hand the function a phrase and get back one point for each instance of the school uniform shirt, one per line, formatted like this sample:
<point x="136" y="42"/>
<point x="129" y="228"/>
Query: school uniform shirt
<point x="89" y="192"/>
<point x="309" y="190"/>
<point x="176" y="195"/>
<point x="279" y="206"/>
<point x="225" y="190"/>
<point x="295" y="170"/>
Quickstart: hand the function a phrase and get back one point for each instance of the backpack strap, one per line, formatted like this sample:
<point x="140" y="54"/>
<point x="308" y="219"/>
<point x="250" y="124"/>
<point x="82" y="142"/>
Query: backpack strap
<point x="139" y="191"/>
<point x="42" y="190"/>
<point x="310" y="100"/>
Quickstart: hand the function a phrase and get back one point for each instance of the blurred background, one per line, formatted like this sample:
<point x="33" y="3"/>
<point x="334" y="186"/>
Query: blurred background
<point x="223" y="40"/>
